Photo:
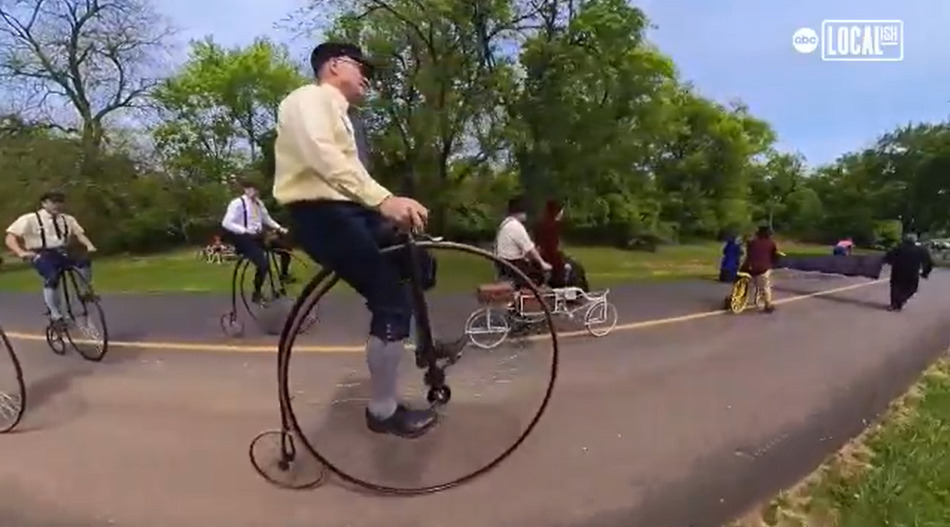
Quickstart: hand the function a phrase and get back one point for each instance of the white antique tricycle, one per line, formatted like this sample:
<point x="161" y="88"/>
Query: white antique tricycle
<point x="506" y="311"/>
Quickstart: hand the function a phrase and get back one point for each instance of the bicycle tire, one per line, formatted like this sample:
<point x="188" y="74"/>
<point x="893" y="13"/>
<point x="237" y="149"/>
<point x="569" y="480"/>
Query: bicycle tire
<point x="240" y="291"/>
<point x="738" y="296"/>
<point x="54" y="340"/>
<point x="610" y="315"/>
<point x="258" y="465"/>
<point x="74" y="277"/>
<point x="9" y="423"/>
<point x="311" y="295"/>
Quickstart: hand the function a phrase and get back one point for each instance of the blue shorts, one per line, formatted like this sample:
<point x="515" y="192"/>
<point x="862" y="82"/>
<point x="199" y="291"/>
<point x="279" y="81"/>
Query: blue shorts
<point x="51" y="263"/>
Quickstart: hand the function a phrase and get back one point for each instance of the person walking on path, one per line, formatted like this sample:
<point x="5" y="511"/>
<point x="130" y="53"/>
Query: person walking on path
<point x="761" y="256"/>
<point x="909" y="262"/>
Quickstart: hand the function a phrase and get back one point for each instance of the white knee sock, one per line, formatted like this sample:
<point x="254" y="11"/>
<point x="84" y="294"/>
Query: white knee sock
<point x="51" y="299"/>
<point x="383" y="361"/>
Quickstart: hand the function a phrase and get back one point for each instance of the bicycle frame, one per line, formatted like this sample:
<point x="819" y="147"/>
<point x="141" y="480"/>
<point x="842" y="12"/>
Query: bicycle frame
<point x="561" y="297"/>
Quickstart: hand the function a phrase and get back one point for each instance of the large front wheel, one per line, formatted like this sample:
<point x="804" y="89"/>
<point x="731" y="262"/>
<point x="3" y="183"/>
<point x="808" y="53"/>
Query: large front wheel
<point x="490" y="414"/>
<point x="87" y="332"/>
<point x="12" y="387"/>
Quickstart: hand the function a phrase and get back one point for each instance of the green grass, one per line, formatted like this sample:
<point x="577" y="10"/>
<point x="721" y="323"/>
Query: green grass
<point x="897" y="474"/>
<point x="182" y="271"/>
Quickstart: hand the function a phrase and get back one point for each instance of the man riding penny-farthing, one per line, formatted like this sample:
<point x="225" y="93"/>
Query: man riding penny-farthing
<point x="341" y="219"/>
<point x="44" y="238"/>
<point x="265" y="259"/>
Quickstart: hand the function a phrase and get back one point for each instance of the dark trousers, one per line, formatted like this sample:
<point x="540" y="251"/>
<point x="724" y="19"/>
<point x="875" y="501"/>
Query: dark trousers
<point x="575" y="275"/>
<point x="346" y="238"/>
<point x="51" y="263"/>
<point x="529" y="268"/>
<point x="901" y="292"/>
<point x="283" y="256"/>
<point x="251" y="248"/>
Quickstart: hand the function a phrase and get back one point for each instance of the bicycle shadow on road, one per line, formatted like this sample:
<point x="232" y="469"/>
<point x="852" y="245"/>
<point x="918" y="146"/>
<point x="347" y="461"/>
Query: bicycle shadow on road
<point x="469" y="435"/>
<point x="50" y="399"/>
<point x="44" y="410"/>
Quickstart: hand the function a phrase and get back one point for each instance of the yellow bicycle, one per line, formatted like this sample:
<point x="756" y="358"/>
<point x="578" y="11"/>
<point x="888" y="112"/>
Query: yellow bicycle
<point x="744" y="293"/>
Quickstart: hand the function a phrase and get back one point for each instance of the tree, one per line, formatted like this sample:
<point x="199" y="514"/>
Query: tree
<point x="587" y="117"/>
<point x="779" y="178"/>
<point x="439" y="89"/>
<point x="221" y="106"/>
<point x="97" y="56"/>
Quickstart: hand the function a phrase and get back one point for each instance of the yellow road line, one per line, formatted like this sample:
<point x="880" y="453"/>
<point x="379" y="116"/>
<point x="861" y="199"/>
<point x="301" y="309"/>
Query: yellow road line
<point x="251" y="348"/>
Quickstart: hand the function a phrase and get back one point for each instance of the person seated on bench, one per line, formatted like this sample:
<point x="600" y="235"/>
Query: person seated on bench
<point x="514" y="245"/>
<point x="565" y="271"/>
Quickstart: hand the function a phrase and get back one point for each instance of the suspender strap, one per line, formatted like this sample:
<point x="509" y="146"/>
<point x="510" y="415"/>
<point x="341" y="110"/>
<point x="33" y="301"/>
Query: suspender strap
<point x="60" y="235"/>
<point x="39" y="223"/>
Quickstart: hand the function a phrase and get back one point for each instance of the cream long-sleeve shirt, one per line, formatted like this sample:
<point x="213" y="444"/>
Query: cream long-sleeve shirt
<point x="315" y="151"/>
<point x="41" y="230"/>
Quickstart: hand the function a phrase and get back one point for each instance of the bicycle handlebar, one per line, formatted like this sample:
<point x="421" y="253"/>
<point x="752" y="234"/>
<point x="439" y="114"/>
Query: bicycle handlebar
<point x="424" y="237"/>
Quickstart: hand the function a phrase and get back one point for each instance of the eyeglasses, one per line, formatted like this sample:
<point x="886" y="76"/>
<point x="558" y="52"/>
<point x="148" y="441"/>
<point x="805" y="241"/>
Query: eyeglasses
<point x="364" y="70"/>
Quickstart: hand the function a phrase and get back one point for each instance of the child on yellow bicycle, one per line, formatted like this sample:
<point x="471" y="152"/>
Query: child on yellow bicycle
<point x="761" y="255"/>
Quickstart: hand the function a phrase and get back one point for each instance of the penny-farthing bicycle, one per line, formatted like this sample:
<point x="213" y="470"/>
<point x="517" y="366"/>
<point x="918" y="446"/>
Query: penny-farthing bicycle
<point x="84" y="326"/>
<point x="276" y="288"/>
<point x="12" y="387"/>
<point x="433" y="358"/>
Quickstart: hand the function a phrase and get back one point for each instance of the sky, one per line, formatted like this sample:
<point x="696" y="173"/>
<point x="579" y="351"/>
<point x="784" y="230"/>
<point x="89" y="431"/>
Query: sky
<point x="731" y="49"/>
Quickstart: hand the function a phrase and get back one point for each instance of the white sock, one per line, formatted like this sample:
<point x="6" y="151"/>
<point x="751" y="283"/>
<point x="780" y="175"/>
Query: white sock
<point x="383" y="361"/>
<point x="51" y="299"/>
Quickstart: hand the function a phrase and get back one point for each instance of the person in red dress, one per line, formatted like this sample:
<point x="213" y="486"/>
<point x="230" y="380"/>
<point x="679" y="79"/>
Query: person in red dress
<point x="547" y="237"/>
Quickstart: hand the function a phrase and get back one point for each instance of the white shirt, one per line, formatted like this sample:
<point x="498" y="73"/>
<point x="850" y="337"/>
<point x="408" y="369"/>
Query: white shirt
<point x="247" y="216"/>
<point x="512" y="241"/>
<point x="36" y="227"/>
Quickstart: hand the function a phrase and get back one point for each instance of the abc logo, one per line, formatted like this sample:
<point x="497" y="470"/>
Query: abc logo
<point x="805" y="40"/>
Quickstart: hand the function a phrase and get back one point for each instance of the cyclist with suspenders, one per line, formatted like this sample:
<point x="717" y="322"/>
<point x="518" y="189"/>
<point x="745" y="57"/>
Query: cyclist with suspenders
<point x="42" y="238"/>
<point x="243" y="225"/>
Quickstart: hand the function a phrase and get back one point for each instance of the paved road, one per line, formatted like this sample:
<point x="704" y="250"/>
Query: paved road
<point x="196" y="316"/>
<point x="674" y="425"/>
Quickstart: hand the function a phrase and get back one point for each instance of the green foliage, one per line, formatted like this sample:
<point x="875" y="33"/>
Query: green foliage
<point x="220" y="108"/>
<point x="887" y="233"/>
<point x="474" y="102"/>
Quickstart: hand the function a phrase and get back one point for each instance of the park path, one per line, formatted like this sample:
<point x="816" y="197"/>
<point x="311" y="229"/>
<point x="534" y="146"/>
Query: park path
<point x="195" y="317"/>
<point x="684" y="424"/>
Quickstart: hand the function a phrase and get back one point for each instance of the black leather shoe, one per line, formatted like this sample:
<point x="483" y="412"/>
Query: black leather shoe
<point x="406" y="422"/>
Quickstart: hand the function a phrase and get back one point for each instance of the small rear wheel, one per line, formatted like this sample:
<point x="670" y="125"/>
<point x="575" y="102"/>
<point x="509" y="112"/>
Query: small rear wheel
<point x="600" y="319"/>
<point x="275" y="457"/>
<point x="231" y="326"/>
<point x="487" y="327"/>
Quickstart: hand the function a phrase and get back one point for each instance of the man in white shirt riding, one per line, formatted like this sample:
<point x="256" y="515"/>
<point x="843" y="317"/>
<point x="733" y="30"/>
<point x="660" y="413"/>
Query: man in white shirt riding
<point x="244" y="224"/>
<point x="42" y="238"/>
<point x="514" y="245"/>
